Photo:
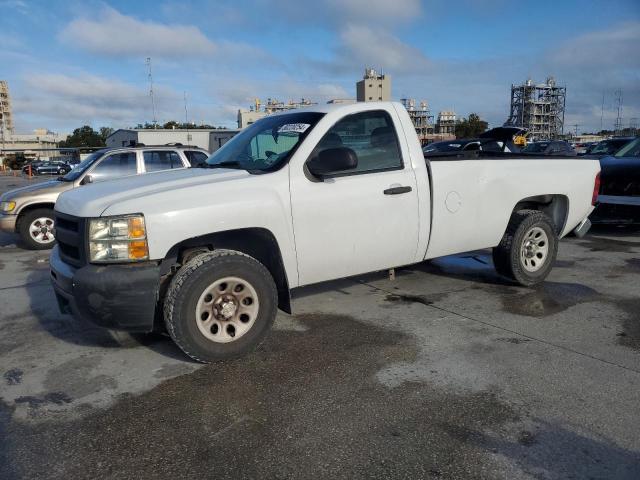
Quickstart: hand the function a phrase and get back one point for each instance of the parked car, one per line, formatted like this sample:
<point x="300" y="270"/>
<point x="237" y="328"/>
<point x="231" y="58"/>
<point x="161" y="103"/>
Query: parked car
<point x="619" y="198"/>
<point x="29" y="210"/>
<point x="552" y="147"/>
<point x="297" y="198"/>
<point x="607" y="147"/>
<point x="47" y="168"/>
<point x="498" y="139"/>
<point x="583" y="148"/>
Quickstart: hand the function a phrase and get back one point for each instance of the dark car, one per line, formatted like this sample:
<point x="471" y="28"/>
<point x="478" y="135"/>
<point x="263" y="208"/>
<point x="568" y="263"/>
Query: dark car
<point x="619" y="197"/>
<point x="551" y="147"/>
<point x="608" y="147"/>
<point x="48" y="168"/>
<point x="499" y="139"/>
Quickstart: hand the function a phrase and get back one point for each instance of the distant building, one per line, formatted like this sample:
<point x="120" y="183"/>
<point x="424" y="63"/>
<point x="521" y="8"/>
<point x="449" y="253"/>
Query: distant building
<point x="420" y="116"/>
<point x="208" y="139"/>
<point x="373" y="87"/>
<point x="446" y="123"/>
<point x="247" y="117"/>
<point x="539" y="108"/>
<point x="259" y="110"/>
<point x="341" y="101"/>
<point x="6" y="115"/>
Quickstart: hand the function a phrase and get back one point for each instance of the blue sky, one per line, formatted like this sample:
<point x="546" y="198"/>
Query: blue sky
<point x="83" y="62"/>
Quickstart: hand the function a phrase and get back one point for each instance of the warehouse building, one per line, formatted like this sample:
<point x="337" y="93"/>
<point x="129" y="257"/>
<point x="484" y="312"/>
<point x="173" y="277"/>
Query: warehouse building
<point x="208" y="139"/>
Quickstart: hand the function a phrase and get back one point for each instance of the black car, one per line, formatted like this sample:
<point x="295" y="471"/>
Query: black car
<point x="607" y="147"/>
<point x="499" y="139"/>
<point x="619" y="197"/>
<point x="47" y="168"/>
<point x="550" y="147"/>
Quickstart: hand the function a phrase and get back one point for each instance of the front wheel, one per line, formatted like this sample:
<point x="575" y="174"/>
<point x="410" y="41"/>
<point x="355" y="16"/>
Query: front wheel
<point x="528" y="248"/>
<point x="36" y="229"/>
<point x="220" y="305"/>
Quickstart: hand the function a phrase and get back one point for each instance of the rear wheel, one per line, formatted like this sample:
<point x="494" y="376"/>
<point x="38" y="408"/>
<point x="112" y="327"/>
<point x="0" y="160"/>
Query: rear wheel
<point x="528" y="248"/>
<point x="220" y="305"/>
<point x="36" y="229"/>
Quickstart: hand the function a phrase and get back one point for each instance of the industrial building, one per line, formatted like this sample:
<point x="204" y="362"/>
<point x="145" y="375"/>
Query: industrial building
<point x="259" y="109"/>
<point x="208" y="139"/>
<point x="421" y="118"/>
<point x="6" y="116"/>
<point x="373" y="87"/>
<point x="446" y="123"/>
<point x="539" y="108"/>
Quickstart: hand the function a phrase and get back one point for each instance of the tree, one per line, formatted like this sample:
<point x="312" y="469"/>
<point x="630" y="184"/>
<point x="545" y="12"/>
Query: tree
<point x="105" y="132"/>
<point x="84" y="137"/>
<point x="471" y="127"/>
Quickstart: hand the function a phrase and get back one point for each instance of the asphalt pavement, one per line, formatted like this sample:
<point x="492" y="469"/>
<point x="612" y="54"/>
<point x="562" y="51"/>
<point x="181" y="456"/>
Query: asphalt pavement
<point x="448" y="371"/>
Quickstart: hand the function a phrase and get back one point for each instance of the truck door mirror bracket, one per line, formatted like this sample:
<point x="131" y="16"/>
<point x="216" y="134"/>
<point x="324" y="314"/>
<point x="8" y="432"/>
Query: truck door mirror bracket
<point x="332" y="160"/>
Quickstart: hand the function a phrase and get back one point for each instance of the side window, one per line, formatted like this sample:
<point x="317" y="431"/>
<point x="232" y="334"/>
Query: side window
<point x="196" y="158"/>
<point x="156" y="160"/>
<point x="115" y="166"/>
<point x="371" y="135"/>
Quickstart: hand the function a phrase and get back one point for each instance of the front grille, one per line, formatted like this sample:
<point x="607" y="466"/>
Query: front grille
<point x="70" y="235"/>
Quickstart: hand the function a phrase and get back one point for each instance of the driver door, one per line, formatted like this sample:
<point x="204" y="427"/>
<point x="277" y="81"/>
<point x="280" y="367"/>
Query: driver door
<point x="360" y="220"/>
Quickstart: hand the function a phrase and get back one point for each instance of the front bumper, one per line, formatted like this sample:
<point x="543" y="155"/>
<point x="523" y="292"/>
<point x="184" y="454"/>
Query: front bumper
<point x="119" y="297"/>
<point x="8" y="222"/>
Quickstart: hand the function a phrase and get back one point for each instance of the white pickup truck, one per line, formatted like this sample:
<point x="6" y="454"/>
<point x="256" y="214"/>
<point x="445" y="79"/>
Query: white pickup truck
<point x="211" y="253"/>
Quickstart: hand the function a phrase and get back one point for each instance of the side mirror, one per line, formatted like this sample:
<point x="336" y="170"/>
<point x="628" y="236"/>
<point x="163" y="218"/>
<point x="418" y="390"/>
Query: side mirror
<point x="332" y="160"/>
<point x="87" y="179"/>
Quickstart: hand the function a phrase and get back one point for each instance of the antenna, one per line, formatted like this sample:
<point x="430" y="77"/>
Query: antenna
<point x="186" y="113"/>
<point x="153" y="103"/>
<point x="602" y="112"/>
<point x="618" y="125"/>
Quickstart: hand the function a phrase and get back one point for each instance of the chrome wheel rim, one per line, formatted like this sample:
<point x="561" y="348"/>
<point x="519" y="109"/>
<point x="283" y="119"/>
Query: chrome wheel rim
<point x="534" y="250"/>
<point x="227" y="309"/>
<point x="41" y="230"/>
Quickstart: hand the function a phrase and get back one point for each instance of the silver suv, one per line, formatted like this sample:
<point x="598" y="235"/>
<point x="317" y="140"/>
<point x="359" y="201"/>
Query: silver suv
<point x="28" y="211"/>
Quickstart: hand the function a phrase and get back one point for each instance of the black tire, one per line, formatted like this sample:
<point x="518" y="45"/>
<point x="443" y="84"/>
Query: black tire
<point x="23" y="228"/>
<point x="191" y="281"/>
<point x="507" y="257"/>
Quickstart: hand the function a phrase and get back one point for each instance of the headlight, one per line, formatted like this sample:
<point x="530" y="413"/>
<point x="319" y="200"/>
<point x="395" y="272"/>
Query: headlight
<point x="118" y="239"/>
<point x="7" y="206"/>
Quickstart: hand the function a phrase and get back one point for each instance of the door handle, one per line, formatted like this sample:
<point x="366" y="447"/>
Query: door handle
<point x="396" y="190"/>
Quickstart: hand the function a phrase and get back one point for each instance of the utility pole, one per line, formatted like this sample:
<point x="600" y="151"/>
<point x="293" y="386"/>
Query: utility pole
<point x="575" y="126"/>
<point x="153" y="103"/>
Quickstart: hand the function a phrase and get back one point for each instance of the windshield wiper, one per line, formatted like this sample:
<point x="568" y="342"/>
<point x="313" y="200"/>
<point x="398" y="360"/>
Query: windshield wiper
<point x="230" y="164"/>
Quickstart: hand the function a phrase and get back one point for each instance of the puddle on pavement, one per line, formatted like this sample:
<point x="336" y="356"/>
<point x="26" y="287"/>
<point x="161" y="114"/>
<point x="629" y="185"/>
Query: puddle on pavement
<point x="548" y="299"/>
<point x="599" y="244"/>
<point x="408" y="299"/>
<point x="307" y="394"/>
<point x="629" y="332"/>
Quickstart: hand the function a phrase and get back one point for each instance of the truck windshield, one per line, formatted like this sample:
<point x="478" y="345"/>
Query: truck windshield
<point x="631" y="149"/>
<point x="82" y="166"/>
<point x="266" y="145"/>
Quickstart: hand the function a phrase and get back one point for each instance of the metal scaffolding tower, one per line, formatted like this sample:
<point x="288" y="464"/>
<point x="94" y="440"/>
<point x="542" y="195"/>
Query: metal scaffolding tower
<point x="6" y="118"/>
<point x="539" y="108"/>
<point x="420" y="116"/>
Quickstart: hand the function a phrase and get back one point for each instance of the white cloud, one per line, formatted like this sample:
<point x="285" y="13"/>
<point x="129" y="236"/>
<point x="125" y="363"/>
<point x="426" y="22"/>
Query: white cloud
<point x="361" y="45"/>
<point x="616" y="46"/>
<point x="114" y="34"/>
<point x="372" y="11"/>
<point x="74" y="100"/>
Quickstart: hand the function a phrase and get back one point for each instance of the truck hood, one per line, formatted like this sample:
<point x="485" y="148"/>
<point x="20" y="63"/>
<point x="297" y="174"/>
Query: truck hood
<point x="52" y="186"/>
<point x="93" y="200"/>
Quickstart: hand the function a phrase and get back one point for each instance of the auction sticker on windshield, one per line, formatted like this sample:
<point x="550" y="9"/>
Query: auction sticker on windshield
<point x="294" y="127"/>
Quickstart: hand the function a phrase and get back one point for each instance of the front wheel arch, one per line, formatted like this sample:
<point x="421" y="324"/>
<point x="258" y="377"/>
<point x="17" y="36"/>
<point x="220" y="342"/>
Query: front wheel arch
<point x="258" y="243"/>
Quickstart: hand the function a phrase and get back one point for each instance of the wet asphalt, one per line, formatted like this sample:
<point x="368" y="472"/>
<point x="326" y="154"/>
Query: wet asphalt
<point x="447" y="371"/>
